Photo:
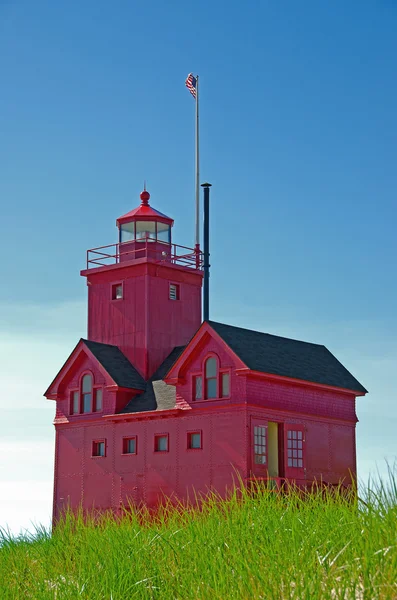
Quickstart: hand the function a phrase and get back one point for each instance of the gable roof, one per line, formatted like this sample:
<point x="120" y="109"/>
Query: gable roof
<point x="286" y="357"/>
<point x="158" y="395"/>
<point x="123" y="373"/>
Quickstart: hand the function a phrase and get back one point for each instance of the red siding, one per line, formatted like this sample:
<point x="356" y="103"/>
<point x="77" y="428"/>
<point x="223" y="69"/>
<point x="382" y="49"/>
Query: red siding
<point x="110" y="481"/>
<point x="145" y="324"/>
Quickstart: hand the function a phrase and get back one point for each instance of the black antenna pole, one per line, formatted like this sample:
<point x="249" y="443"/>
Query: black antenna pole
<point x="206" y="265"/>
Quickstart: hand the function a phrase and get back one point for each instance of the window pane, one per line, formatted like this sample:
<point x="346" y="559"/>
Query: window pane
<point x="75" y="408"/>
<point x="127" y="232"/>
<point x="117" y="291"/>
<point x="225" y="385"/>
<point x="86" y="385"/>
<point x="162" y="443"/>
<point x="195" y="440"/>
<point x="145" y="230"/>
<point x="210" y="367"/>
<point x="199" y="388"/>
<point x="163" y="232"/>
<point x="211" y="388"/>
<point x="130" y="446"/>
<point x="86" y="403"/>
<point x="299" y="435"/>
<point x="98" y="449"/>
<point x="259" y="445"/>
<point x="98" y="400"/>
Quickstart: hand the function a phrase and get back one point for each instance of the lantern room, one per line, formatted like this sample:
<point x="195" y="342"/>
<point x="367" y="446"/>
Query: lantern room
<point x="144" y="232"/>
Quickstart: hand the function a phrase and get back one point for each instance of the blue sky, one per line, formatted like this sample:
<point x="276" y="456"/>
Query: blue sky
<point x="298" y="138"/>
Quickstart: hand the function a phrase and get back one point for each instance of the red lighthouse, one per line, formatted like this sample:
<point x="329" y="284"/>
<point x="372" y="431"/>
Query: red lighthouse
<point x="154" y="402"/>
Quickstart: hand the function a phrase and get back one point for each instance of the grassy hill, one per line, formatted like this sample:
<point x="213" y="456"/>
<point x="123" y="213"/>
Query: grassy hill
<point x="264" y="545"/>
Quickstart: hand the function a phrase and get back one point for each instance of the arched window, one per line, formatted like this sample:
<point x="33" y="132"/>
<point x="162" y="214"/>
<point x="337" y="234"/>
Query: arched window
<point x="211" y="378"/>
<point x="213" y="382"/>
<point x="86" y="393"/>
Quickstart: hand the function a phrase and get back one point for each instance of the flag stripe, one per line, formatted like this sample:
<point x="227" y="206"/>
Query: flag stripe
<point x="191" y="84"/>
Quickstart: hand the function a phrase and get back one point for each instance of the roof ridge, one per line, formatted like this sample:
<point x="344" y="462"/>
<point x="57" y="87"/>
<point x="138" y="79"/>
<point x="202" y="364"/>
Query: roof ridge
<point x="282" y="337"/>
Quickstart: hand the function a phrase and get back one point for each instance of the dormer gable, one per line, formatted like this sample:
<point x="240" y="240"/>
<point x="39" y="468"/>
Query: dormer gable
<point x="206" y="369"/>
<point x="93" y="366"/>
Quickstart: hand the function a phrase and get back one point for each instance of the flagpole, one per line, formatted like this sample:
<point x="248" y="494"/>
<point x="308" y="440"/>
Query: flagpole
<point x="197" y="157"/>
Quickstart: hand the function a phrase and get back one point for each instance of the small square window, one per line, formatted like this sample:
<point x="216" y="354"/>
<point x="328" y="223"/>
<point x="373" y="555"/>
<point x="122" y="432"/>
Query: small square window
<point x="117" y="291"/>
<point x="98" y="400"/>
<point x="98" y="448"/>
<point x="194" y="440"/>
<point x="174" y="291"/>
<point x="161" y="443"/>
<point x="129" y="445"/>
<point x="225" y="385"/>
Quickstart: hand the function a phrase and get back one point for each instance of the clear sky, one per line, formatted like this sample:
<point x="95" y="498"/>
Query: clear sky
<point x="298" y="138"/>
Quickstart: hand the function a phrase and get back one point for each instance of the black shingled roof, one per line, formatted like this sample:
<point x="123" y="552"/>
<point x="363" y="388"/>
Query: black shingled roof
<point x="289" y="358"/>
<point x="123" y="373"/>
<point x="157" y="395"/>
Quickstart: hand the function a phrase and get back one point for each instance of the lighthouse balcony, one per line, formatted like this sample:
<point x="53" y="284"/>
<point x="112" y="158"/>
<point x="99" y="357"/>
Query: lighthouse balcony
<point x="148" y="249"/>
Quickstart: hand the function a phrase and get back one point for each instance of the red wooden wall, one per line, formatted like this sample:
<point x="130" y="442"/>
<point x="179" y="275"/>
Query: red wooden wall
<point x="145" y="324"/>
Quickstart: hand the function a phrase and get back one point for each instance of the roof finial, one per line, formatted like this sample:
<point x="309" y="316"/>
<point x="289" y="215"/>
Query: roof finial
<point x="145" y="196"/>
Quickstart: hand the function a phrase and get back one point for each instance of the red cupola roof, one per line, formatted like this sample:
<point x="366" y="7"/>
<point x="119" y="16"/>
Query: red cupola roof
<point x="144" y="212"/>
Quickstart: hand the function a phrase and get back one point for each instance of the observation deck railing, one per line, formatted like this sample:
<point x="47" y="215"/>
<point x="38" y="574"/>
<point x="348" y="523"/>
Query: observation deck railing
<point x="155" y="250"/>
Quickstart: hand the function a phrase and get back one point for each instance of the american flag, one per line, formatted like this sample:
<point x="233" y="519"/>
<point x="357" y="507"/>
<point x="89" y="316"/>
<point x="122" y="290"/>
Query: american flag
<point x="191" y="84"/>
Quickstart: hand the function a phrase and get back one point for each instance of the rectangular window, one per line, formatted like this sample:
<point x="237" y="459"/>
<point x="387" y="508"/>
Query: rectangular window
<point x="117" y="291"/>
<point x="87" y="403"/>
<point x="129" y="445"/>
<point x="211" y="391"/>
<point x="295" y="448"/>
<point x="194" y="440"/>
<point x="260" y="445"/>
<point x="98" y="400"/>
<point x="98" y="448"/>
<point x="197" y="388"/>
<point x="74" y="403"/>
<point x="161" y="443"/>
<point x="174" y="291"/>
<point x="225" y="385"/>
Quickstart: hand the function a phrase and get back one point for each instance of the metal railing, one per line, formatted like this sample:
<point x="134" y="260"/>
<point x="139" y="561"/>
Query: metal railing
<point x="154" y="250"/>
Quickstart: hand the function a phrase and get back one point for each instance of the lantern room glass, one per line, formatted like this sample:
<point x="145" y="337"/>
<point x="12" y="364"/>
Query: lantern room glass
<point x="164" y="233"/>
<point x="145" y="230"/>
<point x="127" y="232"/>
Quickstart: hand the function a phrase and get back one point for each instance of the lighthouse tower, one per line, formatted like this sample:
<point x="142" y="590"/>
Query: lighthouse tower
<point x="144" y="293"/>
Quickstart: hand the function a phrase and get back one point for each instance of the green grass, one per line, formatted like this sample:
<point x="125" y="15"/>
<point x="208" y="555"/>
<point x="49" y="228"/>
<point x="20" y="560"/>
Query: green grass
<point x="264" y="545"/>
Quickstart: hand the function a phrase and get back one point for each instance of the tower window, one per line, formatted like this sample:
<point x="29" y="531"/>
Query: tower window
<point x="98" y="448"/>
<point x="194" y="440"/>
<point x="161" y="443"/>
<point x="174" y="291"/>
<point x="117" y="291"/>
<point x="129" y="445"/>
